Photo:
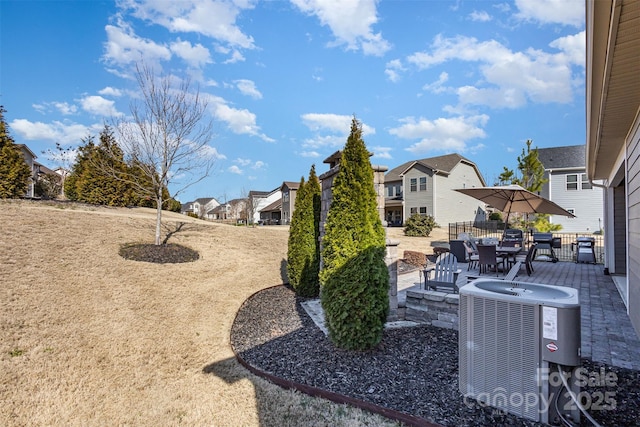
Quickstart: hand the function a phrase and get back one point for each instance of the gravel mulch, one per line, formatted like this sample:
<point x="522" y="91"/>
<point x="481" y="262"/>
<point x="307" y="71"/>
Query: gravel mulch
<point x="414" y="370"/>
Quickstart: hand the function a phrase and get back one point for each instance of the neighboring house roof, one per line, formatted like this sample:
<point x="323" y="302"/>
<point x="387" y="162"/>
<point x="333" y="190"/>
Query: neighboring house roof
<point x="572" y="156"/>
<point x="275" y="206"/>
<point x="203" y="200"/>
<point x="43" y="169"/>
<point x="187" y="207"/>
<point x="26" y="150"/>
<point x="254" y="193"/>
<point x="291" y="185"/>
<point x="440" y="164"/>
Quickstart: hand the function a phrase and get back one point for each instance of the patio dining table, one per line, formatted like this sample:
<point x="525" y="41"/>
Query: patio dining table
<point x="509" y="252"/>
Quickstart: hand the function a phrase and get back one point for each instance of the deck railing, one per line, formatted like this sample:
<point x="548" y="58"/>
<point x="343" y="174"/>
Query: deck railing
<point x="566" y="252"/>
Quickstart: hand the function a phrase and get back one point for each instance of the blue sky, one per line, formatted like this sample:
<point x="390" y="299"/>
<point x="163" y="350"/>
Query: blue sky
<point x="284" y="78"/>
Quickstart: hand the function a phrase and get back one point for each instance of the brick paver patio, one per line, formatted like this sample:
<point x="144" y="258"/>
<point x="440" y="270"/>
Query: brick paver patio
<point x="607" y="333"/>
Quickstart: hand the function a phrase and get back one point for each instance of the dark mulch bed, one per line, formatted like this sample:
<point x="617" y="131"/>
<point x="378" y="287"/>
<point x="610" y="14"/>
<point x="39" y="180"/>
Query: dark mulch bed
<point x="414" y="370"/>
<point x="159" y="254"/>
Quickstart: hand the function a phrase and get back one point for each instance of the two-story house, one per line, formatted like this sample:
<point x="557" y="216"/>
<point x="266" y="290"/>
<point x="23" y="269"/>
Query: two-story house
<point x="289" y="190"/>
<point x="30" y="159"/>
<point x="568" y="186"/>
<point x="259" y="201"/>
<point x="426" y="187"/>
<point x="200" y="207"/>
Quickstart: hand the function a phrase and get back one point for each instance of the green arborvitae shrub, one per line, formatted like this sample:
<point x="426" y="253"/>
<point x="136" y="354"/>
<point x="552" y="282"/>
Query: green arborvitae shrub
<point x="419" y="225"/>
<point x="14" y="170"/>
<point x="304" y="247"/>
<point x="295" y="248"/>
<point x="354" y="278"/>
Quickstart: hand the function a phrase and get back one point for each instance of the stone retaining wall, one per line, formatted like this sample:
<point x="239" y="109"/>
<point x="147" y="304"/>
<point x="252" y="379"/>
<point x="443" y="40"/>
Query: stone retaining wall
<point x="433" y="307"/>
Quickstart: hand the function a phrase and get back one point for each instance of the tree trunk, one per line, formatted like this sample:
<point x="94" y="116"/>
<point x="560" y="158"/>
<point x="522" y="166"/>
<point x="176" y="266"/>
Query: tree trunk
<point x="158" y="219"/>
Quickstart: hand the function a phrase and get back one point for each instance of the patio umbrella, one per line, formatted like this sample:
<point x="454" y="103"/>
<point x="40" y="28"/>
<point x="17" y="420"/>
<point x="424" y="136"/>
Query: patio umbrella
<point x="514" y="198"/>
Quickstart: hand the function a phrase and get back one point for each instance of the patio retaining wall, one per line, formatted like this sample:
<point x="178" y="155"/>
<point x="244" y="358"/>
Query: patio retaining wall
<point x="433" y="307"/>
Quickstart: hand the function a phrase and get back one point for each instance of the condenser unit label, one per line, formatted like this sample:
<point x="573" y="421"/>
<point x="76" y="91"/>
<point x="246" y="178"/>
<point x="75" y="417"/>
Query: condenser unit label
<point x="550" y="323"/>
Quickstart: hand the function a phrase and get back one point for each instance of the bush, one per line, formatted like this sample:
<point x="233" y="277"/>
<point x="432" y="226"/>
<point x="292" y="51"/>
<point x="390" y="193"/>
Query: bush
<point x="303" y="253"/>
<point x="354" y="278"/>
<point x="419" y="225"/>
<point x="415" y="258"/>
<point x="495" y="216"/>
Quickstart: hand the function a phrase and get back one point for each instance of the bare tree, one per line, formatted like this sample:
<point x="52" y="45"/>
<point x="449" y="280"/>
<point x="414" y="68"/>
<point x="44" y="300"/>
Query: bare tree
<point x="166" y="141"/>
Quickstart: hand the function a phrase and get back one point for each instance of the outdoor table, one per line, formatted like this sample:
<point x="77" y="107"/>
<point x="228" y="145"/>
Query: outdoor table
<point x="510" y="252"/>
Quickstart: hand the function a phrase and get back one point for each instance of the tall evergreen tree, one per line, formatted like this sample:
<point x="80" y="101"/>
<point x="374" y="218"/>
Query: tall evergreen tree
<point x="354" y="278"/>
<point x="90" y="180"/>
<point x="304" y="247"/>
<point x="531" y="168"/>
<point x="14" y="170"/>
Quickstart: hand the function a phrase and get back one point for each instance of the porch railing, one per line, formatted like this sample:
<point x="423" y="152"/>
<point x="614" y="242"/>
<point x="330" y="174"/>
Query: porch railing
<point x="566" y="252"/>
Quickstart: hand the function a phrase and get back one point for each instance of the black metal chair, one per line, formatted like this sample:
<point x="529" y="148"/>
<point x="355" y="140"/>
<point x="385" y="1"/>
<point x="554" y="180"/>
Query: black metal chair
<point x="488" y="258"/>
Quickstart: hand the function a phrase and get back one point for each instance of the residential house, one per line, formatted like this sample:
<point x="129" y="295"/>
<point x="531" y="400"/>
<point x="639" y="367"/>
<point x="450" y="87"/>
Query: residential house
<point x="568" y="186"/>
<point x="30" y="158"/>
<point x="426" y="187"/>
<point x="271" y="214"/>
<point x="259" y="200"/>
<point x="235" y="209"/>
<point x="613" y="136"/>
<point x="200" y="207"/>
<point x="289" y="190"/>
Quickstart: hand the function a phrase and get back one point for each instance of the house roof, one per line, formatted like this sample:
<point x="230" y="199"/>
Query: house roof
<point x="439" y="164"/>
<point x="275" y="206"/>
<point x="612" y="84"/>
<point x="572" y="156"/>
<point x="291" y="185"/>
<point x="203" y="200"/>
<point x="26" y="150"/>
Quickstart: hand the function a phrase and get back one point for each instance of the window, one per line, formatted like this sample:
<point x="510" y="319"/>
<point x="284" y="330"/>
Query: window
<point x="423" y="183"/>
<point x="389" y="191"/>
<point x="285" y="196"/>
<point x="414" y="184"/>
<point x="423" y="210"/>
<point x="414" y="211"/>
<point x="399" y="190"/>
<point x="572" y="181"/>
<point x="586" y="185"/>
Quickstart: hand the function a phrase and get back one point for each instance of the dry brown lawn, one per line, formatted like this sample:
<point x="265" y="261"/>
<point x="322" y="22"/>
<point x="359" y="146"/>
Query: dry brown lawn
<point x="89" y="338"/>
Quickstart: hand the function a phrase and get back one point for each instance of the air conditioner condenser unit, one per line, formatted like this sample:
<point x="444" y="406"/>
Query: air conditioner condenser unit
<point x="515" y="340"/>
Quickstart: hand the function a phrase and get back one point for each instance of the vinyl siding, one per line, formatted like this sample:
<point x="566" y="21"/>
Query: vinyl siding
<point x="452" y="206"/>
<point x="587" y="205"/>
<point x="418" y="199"/>
<point x="633" y="235"/>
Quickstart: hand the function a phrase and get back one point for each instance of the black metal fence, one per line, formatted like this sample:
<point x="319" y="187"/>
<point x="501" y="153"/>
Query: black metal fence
<point x="567" y="251"/>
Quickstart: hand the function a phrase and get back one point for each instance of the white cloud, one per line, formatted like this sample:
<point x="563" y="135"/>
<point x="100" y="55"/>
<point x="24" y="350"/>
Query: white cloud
<point x="393" y="69"/>
<point x="239" y="121"/>
<point x="248" y="87"/>
<point x="437" y="86"/>
<point x="99" y="106"/>
<point x="566" y="12"/>
<point x="124" y="47"/>
<point x="333" y="123"/>
<point x="66" y="108"/>
<point x="211" y="152"/>
<point x="480" y="16"/>
<point x="310" y="154"/>
<point x="236" y="56"/>
<point x="381" y="152"/>
<point x="110" y="91"/>
<point x="211" y="18"/>
<point x="574" y="47"/>
<point x="326" y="141"/>
<point x="442" y="134"/>
<point x="350" y="22"/>
<point x="194" y="55"/>
<point x="65" y="133"/>
<point x="235" y="169"/>
<point x="509" y="79"/>
<point x="259" y="164"/>
<point x="242" y="162"/>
